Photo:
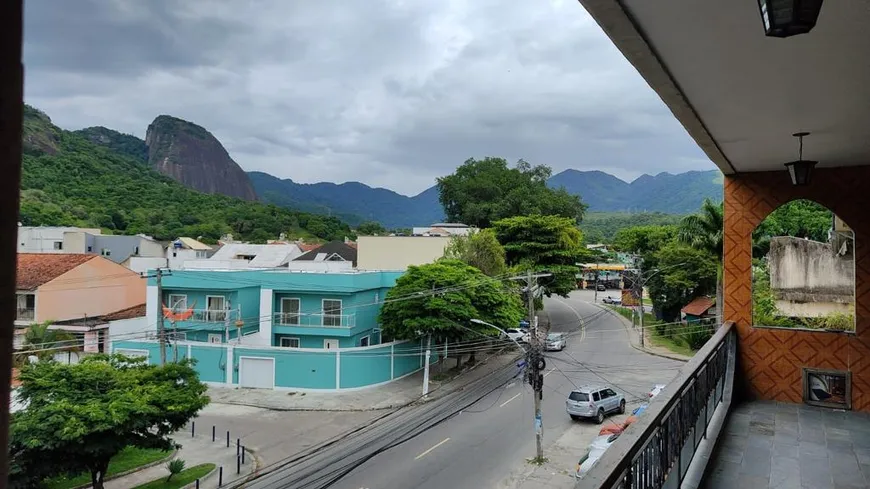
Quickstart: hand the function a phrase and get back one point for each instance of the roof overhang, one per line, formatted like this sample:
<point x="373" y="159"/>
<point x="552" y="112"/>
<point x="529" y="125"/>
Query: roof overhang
<point x="741" y="95"/>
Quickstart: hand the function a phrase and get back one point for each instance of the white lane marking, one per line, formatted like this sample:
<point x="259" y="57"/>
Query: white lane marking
<point x="579" y="318"/>
<point x="511" y="399"/>
<point x="551" y="371"/>
<point x="418" y="457"/>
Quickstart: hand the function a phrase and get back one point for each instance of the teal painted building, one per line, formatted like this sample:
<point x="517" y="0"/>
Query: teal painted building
<point x="282" y="308"/>
<point x="235" y="365"/>
<point x="279" y="329"/>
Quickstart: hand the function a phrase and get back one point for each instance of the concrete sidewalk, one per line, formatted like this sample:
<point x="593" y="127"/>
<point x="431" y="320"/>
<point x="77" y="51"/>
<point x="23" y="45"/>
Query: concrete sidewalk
<point x="387" y="396"/>
<point x="562" y="457"/>
<point x="194" y="451"/>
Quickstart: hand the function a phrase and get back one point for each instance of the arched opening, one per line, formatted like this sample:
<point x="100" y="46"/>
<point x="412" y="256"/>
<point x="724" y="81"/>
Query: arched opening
<point x="803" y="269"/>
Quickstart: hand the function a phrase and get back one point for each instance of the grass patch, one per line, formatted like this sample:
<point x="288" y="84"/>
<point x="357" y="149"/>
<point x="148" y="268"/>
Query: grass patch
<point x="184" y="478"/>
<point x="128" y="459"/>
<point x="673" y="343"/>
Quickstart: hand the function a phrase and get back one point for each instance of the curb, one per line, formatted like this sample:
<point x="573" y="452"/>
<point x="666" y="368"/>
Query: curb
<point x="397" y="405"/>
<point x="311" y="409"/>
<point x="203" y="478"/>
<point x="133" y="471"/>
<point x="639" y="348"/>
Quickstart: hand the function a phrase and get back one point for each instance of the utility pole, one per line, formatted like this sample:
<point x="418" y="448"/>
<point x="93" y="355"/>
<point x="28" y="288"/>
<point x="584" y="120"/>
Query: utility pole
<point x="175" y="338"/>
<point x="595" y="300"/>
<point x="227" y="322"/>
<point x="536" y="363"/>
<point x="426" y="367"/>
<point x="161" y="330"/>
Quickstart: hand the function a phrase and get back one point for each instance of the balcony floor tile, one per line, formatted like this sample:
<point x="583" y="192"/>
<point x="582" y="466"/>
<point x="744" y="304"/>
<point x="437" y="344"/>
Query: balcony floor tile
<point x="778" y="445"/>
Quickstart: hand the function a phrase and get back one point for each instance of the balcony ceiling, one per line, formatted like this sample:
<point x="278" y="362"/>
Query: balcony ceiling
<point x="742" y="95"/>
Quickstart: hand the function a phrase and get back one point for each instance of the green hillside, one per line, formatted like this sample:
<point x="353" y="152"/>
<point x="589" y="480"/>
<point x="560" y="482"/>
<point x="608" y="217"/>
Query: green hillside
<point x="69" y="180"/>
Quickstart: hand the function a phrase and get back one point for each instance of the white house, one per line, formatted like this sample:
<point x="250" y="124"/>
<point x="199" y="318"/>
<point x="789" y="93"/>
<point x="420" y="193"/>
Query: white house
<point x="443" y="229"/>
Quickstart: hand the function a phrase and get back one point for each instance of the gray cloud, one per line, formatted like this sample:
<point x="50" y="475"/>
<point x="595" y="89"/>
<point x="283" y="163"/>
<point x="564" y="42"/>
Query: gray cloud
<point x="392" y="93"/>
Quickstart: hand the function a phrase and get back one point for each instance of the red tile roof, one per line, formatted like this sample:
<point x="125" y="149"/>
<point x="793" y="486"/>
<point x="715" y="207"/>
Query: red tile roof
<point x="128" y="313"/>
<point x="699" y="306"/>
<point x="308" y="246"/>
<point x="35" y="269"/>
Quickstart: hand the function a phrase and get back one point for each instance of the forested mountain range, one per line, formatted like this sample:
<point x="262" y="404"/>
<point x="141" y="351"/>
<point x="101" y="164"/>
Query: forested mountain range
<point x="191" y="155"/>
<point x="68" y="180"/>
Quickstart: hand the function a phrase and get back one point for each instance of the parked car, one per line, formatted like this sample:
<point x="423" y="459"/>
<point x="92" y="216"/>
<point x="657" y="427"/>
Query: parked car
<point x="601" y="287"/>
<point x="594" y="402"/>
<point x="656" y="390"/>
<point x="612" y="300"/>
<point x="596" y="449"/>
<point x="555" y="342"/>
<point x="517" y="335"/>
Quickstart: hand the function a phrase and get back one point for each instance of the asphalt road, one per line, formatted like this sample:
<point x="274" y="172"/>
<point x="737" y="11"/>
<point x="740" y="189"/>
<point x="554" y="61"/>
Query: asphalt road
<point x="494" y="435"/>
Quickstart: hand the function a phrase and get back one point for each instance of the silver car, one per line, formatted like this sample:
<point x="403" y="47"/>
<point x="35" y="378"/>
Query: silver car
<point x="594" y="402"/>
<point x="555" y="342"/>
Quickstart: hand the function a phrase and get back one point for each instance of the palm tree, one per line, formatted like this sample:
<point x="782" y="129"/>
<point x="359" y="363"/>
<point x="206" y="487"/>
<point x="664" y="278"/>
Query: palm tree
<point x="44" y="342"/>
<point x="705" y="231"/>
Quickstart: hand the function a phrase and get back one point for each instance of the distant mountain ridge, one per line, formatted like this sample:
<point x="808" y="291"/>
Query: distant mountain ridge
<point x="191" y="155"/>
<point x="355" y="202"/>
<point x="680" y="193"/>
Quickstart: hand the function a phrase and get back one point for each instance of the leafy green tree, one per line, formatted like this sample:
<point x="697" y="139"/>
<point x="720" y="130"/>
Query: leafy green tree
<point x="481" y="192"/>
<point x="441" y="299"/>
<point x="644" y="240"/>
<point x="799" y="218"/>
<point x="479" y="249"/>
<point x="705" y="231"/>
<point x="545" y="244"/>
<point x="604" y="227"/>
<point x="371" y="228"/>
<point x="79" y="416"/>
<point x="684" y="274"/>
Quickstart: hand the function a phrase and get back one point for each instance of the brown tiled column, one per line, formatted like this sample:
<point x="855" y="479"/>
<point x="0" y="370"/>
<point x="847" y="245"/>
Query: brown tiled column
<point x="770" y="360"/>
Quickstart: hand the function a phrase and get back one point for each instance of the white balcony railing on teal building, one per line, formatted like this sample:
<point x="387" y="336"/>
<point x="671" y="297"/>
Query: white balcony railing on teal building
<point x="315" y="320"/>
<point x="205" y="316"/>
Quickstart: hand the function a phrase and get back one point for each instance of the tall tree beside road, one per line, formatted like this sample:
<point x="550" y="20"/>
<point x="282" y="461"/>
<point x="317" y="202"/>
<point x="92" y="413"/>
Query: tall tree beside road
<point x="483" y="191"/>
<point x="441" y="299"/>
<point x="79" y="416"/>
<point x="479" y="249"/>
<point x="546" y="244"/>
<point x="705" y="231"/>
<point x="644" y="240"/>
<point x="686" y="273"/>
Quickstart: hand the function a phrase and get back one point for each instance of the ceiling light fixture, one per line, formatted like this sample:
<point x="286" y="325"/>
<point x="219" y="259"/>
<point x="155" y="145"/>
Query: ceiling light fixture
<point x="786" y="18"/>
<point x="801" y="170"/>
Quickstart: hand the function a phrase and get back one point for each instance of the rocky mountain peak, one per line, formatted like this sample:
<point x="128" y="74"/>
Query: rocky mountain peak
<point x="191" y="155"/>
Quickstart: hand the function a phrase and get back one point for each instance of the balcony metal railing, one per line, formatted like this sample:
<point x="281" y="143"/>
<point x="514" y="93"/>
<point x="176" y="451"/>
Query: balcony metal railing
<point x="315" y="320"/>
<point x="24" y="315"/>
<point x="205" y="316"/>
<point x="655" y="452"/>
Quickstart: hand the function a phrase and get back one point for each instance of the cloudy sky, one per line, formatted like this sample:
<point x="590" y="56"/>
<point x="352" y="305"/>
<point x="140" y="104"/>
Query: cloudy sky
<point x="391" y="93"/>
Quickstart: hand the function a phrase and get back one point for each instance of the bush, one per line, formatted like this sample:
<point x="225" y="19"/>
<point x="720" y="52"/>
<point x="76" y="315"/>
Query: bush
<point x="697" y="334"/>
<point x="175" y="467"/>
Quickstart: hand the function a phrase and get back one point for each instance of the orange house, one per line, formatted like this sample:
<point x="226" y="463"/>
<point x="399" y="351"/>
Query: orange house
<point x="64" y="287"/>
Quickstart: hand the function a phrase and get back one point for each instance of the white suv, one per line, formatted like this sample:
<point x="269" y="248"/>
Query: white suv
<point x="594" y="402"/>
